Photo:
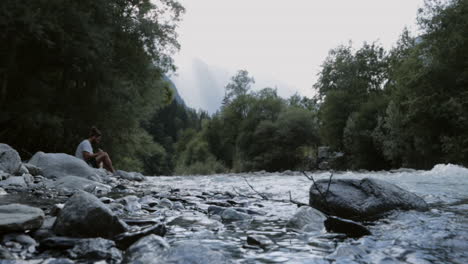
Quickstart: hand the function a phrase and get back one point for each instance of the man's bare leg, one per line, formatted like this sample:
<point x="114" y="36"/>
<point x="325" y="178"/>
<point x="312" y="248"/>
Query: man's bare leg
<point x="104" y="158"/>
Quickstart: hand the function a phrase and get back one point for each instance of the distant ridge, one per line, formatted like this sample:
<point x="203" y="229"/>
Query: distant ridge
<point x="177" y="97"/>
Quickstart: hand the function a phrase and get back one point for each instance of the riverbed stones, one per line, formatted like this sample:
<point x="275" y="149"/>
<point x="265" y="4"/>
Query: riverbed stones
<point x="10" y="161"/>
<point x="260" y="241"/>
<point x="307" y="219"/>
<point x="126" y="239"/>
<point x="131" y="176"/>
<point x="96" y="249"/>
<point x="233" y="215"/>
<point x="58" y="165"/>
<point x="74" y="183"/>
<point x="365" y="199"/>
<point x="18" y="217"/>
<point x="13" y="182"/>
<point x="33" y="170"/>
<point x="85" y="216"/>
<point x="146" y="250"/>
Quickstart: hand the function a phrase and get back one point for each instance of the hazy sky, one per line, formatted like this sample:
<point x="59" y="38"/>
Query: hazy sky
<point x="281" y="43"/>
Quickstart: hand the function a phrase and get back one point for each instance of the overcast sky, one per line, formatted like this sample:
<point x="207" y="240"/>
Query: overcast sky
<point x="281" y="43"/>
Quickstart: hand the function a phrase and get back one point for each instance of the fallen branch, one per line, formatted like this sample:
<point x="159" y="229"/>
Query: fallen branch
<point x="253" y="189"/>
<point x="299" y="204"/>
<point x="323" y="196"/>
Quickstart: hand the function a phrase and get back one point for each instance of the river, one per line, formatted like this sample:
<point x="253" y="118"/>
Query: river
<point x="439" y="235"/>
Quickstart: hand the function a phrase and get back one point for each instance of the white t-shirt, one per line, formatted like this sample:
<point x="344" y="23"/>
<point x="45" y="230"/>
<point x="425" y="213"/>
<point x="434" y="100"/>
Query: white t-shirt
<point x="85" y="145"/>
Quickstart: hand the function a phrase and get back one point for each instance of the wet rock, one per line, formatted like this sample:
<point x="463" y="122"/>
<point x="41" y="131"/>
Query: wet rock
<point x="56" y="208"/>
<point x="32" y="169"/>
<point x="130" y="203"/>
<point x="58" y="165"/>
<point x="126" y="239"/>
<point x="39" y="261"/>
<point x="5" y="254"/>
<point x="13" y="181"/>
<point x="118" y="209"/>
<point x="307" y="219"/>
<point x="22" y="170"/>
<point x="28" y="179"/>
<point x="4" y="175"/>
<point x="96" y="249"/>
<point x="106" y="200"/>
<point x="149" y="201"/>
<point x="196" y="222"/>
<point x="216" y="210"/>
<point x="85" y="216"/>
<point x="260" y="241"/>
<point x="166" y="203"/>
<point x="18" y="217"/>
<point x="178" y="206"/>
<point x="365" y="199"/>
<point x="348" y="227"/>
<point x="10" y="161"/>
<point x="3" y="192"/>
<point x="56" y="242"/>
<point x="233" y="215"/>
<point x="131" y="176"/>
<point x="249" y="211"/>
<point x="72" y="183"/>
<point x="146" y="250"/>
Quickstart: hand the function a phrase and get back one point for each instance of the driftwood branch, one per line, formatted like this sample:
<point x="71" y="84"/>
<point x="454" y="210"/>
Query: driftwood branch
<point x="322" y="195"/>
<point x="253" y="189"/>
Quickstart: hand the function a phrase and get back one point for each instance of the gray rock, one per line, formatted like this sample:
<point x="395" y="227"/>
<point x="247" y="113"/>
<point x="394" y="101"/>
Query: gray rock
<point x="131" y="176"/>
<point x="22" y="170"/>
<point x="307" y="219"/>
<point x="125" y="240"/>
<point x="33" y="170"/>
<point x="348" y="227"/>
<point x="58" y="165"/>
<point x="178" y="206"/>
<point x="56" y="242"/>
<point x="13" y="181"/>
<point x="146" y="250"/>
<point x="96" y="249"/>
<point x="149" y="201"/>
<point x="260" y="241"/>
<point x="233" y="215"/>
<point x="56" y="208"/>
<point x="18" y="217"/>
<point x="166" y="203"/>
<point x="10" y="161"/>
<point x="74" y="183"/>
<point x="85" y="216"/>
<point x="365" y="199"/>
<point x="130" y="203"/>
<point x="4" y="175"/>
<point x="3" y="192"/>
<point x="216" y="210"/>
<point x="28" y="179"/>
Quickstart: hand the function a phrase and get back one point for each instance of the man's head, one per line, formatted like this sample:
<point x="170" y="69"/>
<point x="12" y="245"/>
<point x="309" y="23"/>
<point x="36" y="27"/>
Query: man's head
<point x="95" y="135"/>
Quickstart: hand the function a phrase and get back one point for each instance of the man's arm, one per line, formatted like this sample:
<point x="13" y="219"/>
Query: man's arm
<point x="87" y="155"/>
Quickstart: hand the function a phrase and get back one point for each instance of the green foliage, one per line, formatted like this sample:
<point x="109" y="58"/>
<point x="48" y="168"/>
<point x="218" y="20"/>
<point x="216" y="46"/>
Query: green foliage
<point x="68" y="65"/>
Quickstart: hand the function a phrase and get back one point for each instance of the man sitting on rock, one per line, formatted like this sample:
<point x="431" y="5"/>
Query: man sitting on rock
<point x="85" y="152"/>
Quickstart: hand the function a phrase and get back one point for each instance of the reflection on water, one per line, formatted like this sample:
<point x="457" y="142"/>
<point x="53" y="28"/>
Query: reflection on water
<point x="439" y="235"/>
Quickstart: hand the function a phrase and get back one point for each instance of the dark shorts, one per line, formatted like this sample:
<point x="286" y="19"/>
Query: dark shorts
<point x="93" y="163"/>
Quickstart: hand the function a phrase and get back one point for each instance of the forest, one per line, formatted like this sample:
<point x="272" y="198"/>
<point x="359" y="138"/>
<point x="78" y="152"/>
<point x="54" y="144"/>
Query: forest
<point x="68" y="65"/>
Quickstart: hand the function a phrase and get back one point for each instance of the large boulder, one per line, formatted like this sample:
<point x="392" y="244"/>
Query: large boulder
<point x="58" y="165"/>
<point x="365" y="199"/>
<point x="307" y="219"/>
<point x="10" y="160"/>
<point x="84" y="215"/>
<point x="73" y="183"/>
<point x="18" y="217"/>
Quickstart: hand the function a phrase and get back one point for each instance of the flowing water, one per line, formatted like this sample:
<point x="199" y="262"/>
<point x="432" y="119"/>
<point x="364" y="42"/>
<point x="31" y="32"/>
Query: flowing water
<point x="439" y="235"/>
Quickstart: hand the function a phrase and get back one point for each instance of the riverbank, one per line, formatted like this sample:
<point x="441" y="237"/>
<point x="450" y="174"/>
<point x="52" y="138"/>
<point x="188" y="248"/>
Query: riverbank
<point x="220" y="219"/>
